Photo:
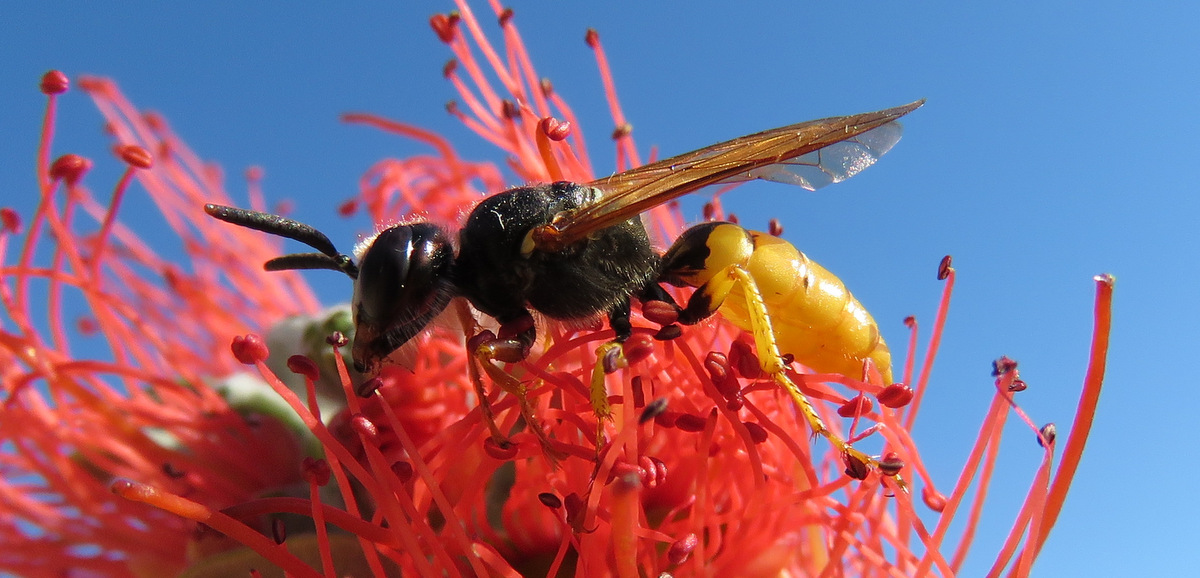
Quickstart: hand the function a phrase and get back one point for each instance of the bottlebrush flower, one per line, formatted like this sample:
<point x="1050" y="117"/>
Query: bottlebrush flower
<point x="159" y="435"/>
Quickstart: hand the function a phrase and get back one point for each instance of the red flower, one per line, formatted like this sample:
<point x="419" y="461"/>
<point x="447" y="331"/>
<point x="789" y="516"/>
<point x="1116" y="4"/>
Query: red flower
<point x="163" y="448"/>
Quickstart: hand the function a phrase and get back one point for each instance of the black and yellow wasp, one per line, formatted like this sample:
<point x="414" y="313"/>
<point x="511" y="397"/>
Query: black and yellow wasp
<point x="572" y="251"/>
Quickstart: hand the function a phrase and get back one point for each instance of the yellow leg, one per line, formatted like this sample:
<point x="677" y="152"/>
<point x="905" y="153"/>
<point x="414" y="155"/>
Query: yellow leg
<point x="771" y="360"/>
<point x="483" y="357"/>
<point x="599" y="393"/>
<point x="485" y="406"/>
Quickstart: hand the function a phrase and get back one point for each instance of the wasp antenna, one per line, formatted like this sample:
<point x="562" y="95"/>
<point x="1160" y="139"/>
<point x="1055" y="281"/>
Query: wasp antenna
<point x="341" y="263"/>
<point x="275" y="225"/>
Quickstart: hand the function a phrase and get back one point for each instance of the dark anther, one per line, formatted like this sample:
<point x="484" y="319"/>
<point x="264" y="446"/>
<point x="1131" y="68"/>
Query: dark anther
<point x="653" y="410"/>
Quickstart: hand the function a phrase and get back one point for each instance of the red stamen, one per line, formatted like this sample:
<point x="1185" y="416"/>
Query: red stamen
<point x="365" y="429"/>
<point x="1046" y="435"/>
<point x="249" y="349"/>
<point x="681" y="549"/>
<point x="111" y="214"/>
<point x="216" y="520"/>
<point x="55" y="82"/>
<point x="944" y="268"/>
<point x="653" y="410"/>
<point x="502" y="452"/>
<point x="775" y="228"/>
<point x="660" y="312"/>
<point x="856" y="407"/>
<point x="855" y="468"/>
<point x="337" y="339"/>
<point x="70" y="169"/>
<point x="637" y="348"/>
<point x="278" y="531"/>
<point x="758" y="434"/>
<point x="444" y="25"/>
<point x="935" y="340"/>
<point x="668" y="332"/>
<point x="135" y="156"/>
<point x="10" y="221"/>
<point x="895" y="396"/>
<point x="550" y="500"/>
<point x="550" y="129"/>
<point x="315" y="471"/>
<point x="1089" y="398"/>
<point x="625" y="148"/>
<point x="303" y="365"/>
<point x="403" y="471"/>
<point x="691" y="423"/>
<point x="891" y="464"/>
<point x="933" y="499"/>
<point x="625" y="507"/>
<point x="743" y="357"/>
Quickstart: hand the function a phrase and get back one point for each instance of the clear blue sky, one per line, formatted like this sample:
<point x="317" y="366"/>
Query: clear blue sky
<point x="1058" y="143"/>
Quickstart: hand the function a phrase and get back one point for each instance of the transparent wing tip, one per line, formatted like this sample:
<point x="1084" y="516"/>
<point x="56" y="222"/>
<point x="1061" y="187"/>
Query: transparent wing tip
<point x="834" y="163"/>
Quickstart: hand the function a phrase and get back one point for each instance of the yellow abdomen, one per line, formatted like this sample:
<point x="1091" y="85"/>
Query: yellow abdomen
<point x="814" y="316"/>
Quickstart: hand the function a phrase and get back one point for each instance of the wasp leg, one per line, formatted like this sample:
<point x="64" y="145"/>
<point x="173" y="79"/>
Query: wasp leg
<point x="609" y="356"/>
<point x="707" y="299"/>
<point x="618" y="319"/>
<point x="656" y="292"/>
<point x="485" y="349"/>
<point x="485" y="406"/>
<point x="608" y="359"/>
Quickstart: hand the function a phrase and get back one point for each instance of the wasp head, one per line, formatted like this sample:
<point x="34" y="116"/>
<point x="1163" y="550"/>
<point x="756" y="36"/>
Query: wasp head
<point x="404" y="281"/>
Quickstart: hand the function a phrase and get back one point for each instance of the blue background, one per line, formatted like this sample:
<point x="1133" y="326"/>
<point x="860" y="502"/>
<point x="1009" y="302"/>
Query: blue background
<point x="1056" y="145"/>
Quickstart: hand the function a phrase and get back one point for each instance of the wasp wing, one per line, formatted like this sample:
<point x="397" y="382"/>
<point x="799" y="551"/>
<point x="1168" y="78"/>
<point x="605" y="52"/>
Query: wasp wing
<point x="809" y="154"/>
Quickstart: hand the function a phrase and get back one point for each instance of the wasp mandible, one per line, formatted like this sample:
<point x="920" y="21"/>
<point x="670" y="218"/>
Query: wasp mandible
<point x="573" y="251"/>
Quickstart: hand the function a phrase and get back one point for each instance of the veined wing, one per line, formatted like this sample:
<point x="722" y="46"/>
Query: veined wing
<point x="809" y="154"/>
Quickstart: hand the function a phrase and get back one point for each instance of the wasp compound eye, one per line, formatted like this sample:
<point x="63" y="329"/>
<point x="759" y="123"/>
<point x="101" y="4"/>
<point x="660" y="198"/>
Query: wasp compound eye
<point x="403" y="283"/>
<point x="401" y="272"/>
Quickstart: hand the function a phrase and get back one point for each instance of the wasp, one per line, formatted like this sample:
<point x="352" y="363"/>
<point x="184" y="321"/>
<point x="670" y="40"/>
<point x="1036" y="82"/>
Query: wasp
<point x="575" y="251"/>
